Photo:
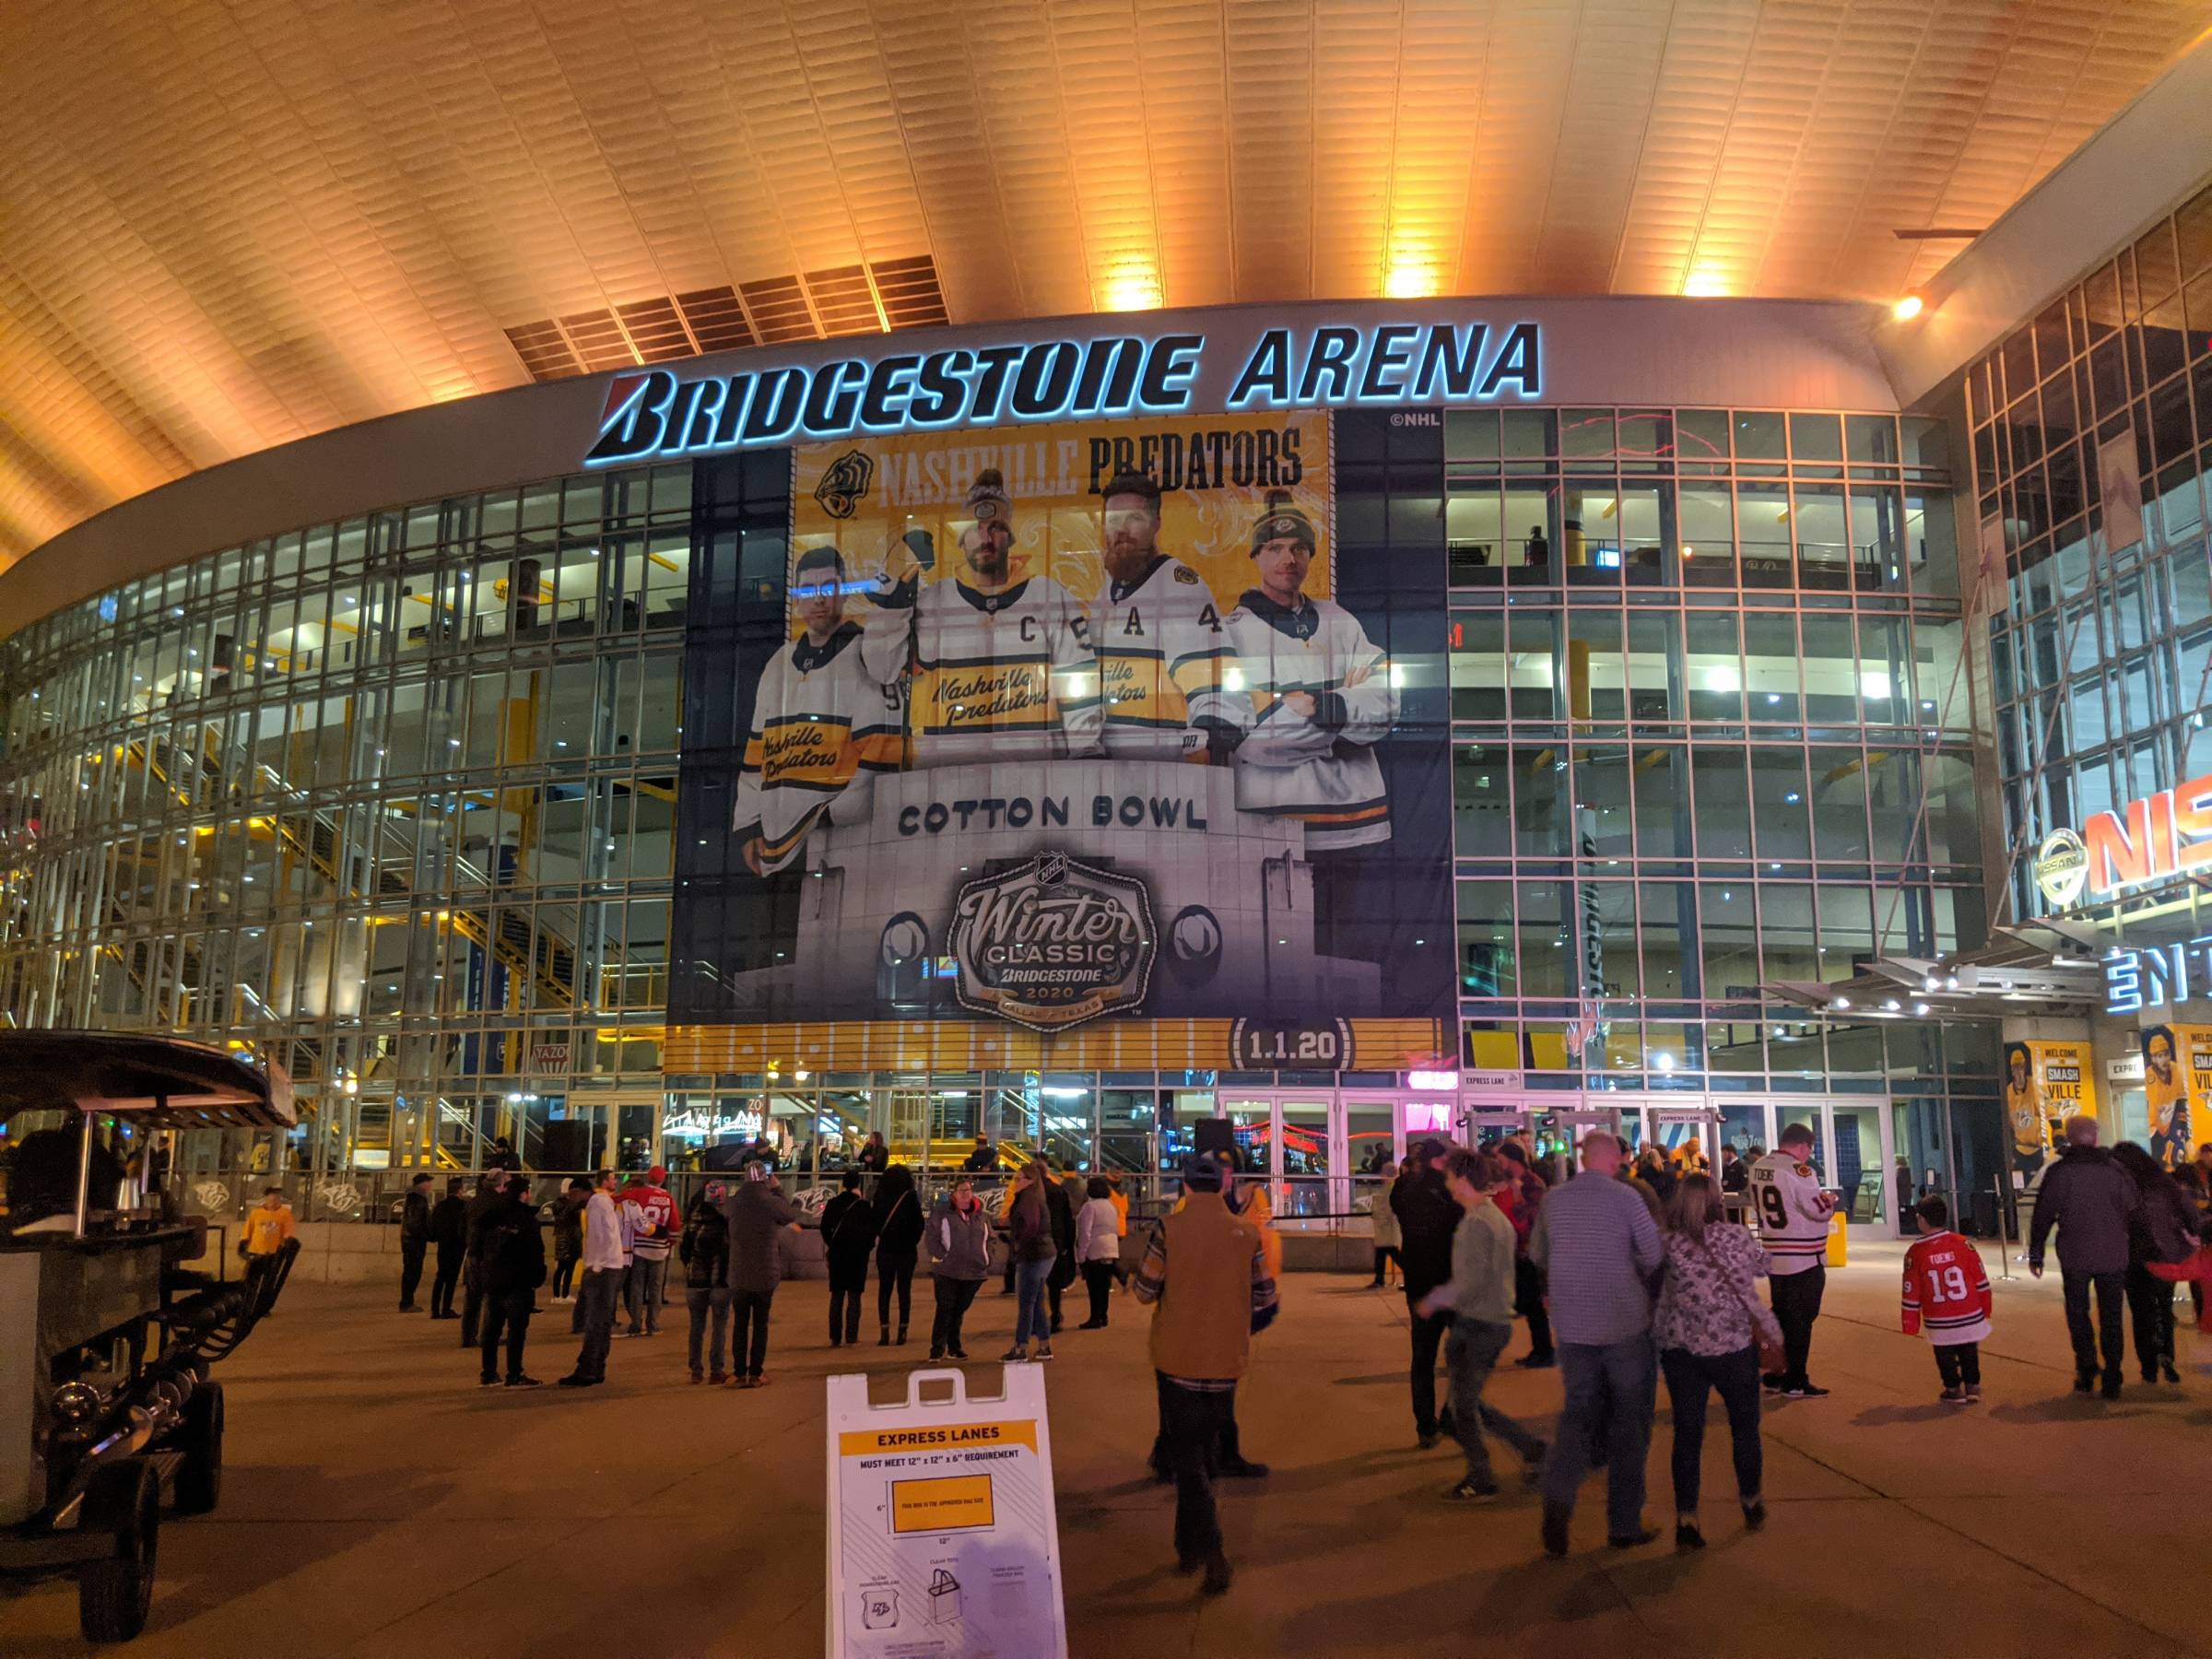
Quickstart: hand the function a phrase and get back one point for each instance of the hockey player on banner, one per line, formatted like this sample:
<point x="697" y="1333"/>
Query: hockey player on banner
<point x="1002" y="669"/>
<point x="1163" y="647"/>
<point x="821" y="729"/>
<point x="1320" y="691"/>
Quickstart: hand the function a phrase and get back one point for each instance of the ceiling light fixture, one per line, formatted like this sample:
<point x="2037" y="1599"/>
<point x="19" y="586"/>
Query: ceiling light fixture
<point x="1908" y="308"/>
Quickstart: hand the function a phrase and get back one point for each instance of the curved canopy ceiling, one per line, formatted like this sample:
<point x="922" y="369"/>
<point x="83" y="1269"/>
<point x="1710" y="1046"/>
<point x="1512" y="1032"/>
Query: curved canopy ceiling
<point x="233" y="224"/>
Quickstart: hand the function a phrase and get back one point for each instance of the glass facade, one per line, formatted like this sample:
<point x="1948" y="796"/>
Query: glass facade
<point x="2091" y="434"/>
<point x="1712" y="735"/>
<point x="394" y="799"/>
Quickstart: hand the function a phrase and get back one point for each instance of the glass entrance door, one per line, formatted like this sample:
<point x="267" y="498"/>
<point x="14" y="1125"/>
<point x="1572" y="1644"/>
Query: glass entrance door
<point x="1371" y="1146"/>
<point x="1293" y="1143"/>
<point x="1310" y="1169"/>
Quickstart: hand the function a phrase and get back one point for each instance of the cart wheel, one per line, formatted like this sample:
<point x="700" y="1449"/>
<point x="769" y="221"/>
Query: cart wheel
<point x="114" y="1594"/>
<point x="200" y="1476"/>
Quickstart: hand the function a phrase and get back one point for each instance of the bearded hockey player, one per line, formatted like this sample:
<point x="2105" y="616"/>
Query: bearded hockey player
<point x="822" y="727"/>
<point x="1320" y="691"/>
<point x="1163" y="647"/>
<point x="1002" y="669"/>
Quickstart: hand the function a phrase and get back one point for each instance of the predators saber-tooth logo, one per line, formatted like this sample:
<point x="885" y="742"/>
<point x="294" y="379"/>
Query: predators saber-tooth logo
<point x="844" y="484"/>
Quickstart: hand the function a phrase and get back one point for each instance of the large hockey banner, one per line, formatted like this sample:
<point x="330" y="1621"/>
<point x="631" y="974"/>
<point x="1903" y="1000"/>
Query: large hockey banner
<point x="1068" y="722"/>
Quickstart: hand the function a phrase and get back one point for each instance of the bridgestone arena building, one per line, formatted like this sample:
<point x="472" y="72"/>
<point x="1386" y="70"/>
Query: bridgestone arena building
<point x="1356" y="722"/>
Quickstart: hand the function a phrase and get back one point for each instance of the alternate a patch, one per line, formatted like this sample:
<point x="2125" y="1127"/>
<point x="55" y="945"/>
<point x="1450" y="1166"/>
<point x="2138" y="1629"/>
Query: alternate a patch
<point x="1184" y="574"/>
<point x="1805" y="1170"/>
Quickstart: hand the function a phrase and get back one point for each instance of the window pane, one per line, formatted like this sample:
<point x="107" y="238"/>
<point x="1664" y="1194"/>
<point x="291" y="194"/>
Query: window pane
<point x="1785" y="932"/>
<point x="1662" y="803"/>
<point x="1669" y="911"/>
<point x="1714" y="667"/>
<point x="1831" y="670"/>
<point x="1778" y="792"/>
<point x="1481" y="793"/>
<point x="1770" y="665"/>
<point x="1654" y="648"/>
<point x="1486" y="938"/>
<point x="1846" y="931"/>
<point x="1594" y="666"/>
<point x="1604" y="824"/>
<point x="1542" y="938"/>
<point x="1871" y="439"/>
<point x="1839" y="779"/>
<point x="1730" y="940"/>
<point x="1479" y="665"/>
<point x="1723" y="798"/>
<point x="1814" y="438"/>
<point x="1531" y="684"/>
<point x="1540" y="803"/>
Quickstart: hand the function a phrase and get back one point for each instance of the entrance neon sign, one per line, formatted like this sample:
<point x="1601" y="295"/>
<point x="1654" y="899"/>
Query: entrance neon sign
<point x="655" y="415"/>
<point x="2161" y="835"/>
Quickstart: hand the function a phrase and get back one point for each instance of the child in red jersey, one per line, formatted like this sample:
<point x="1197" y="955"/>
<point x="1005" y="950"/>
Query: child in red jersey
<point x="1947" y="1290"/>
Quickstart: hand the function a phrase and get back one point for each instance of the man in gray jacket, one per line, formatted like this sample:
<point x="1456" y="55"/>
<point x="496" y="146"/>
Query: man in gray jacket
<point x="1599" y="1248"/>
<point x="758" y="1213"/>
<point x="2091" y="1200"/>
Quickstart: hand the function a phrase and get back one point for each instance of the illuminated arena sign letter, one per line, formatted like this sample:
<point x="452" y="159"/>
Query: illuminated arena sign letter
<point x="2166" y="834"/>
<point x="653" y="414"/>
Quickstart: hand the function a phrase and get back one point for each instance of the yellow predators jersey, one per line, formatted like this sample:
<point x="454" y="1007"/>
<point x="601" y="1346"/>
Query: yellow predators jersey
<point x="1162" y="650"/>
<point x="1004" y="676"/>
<point x="821" y="729"/>
<point x="1319" y="768"/>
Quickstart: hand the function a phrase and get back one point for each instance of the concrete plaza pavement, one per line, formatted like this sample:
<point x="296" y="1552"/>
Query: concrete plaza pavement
<point x="378" y="1503"/>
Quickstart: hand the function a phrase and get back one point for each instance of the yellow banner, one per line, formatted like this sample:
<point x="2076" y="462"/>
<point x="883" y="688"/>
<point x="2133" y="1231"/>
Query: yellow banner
<point x="2177" y="1079"/>
<point x="938" y="1437"/>
<point x="963" y="1045"/>
<point x="2045" y="1084"/>
<point x="1214" y="474"/>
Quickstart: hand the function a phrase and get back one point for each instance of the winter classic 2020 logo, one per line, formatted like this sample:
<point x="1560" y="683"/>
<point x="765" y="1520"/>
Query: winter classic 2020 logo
<point x="1052" y="942"/>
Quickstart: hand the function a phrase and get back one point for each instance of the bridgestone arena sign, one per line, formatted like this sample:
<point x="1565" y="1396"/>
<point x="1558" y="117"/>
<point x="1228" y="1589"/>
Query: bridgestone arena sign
<point x="657" y="416"/>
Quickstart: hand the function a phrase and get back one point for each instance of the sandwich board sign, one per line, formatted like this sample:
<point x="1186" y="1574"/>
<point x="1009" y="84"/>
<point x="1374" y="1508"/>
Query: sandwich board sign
<point x="944" y="1540"/>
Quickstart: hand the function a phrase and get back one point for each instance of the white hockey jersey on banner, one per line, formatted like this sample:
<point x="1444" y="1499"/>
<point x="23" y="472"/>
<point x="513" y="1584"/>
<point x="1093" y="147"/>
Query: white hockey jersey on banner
<point x="1004" y="676"/>
<point x="1163" y="651"/>
<point x="1319" y="768"/>
<point x="822" y="727"/>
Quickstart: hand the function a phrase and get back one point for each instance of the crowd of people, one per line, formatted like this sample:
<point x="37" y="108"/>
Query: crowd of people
<point x="616" y="1238"/>
<point x="1628" y="1271"/>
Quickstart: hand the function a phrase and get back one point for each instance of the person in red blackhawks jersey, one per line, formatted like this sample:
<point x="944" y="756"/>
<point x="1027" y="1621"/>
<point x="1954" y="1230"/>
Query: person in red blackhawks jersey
<point x="1946" y="1293"/>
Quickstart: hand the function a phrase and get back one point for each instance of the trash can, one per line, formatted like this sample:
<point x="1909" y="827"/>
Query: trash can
<point x="1839" y="1251"/>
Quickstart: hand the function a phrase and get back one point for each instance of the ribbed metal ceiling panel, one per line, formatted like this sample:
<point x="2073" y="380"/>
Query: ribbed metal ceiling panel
<point x="230" y="225"/>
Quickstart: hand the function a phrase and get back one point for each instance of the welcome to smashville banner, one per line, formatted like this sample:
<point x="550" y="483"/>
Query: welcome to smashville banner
<point x="656" y="415"/>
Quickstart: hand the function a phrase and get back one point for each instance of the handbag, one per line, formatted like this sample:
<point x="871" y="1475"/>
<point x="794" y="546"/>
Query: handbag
<point x="1766" y="1332"/>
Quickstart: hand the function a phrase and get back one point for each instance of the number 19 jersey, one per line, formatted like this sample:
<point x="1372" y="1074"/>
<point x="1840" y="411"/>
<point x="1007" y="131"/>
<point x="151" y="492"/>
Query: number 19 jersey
<point x="1793" y="1221"/>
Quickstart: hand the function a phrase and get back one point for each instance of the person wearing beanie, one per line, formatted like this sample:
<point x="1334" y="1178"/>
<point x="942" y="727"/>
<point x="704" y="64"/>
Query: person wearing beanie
<point x="1206" y="1271"/>
<point x="1321" y="694"/>
<point x="1000" y="668"/>
<point x="822" y="728"/>
<point x="758" y="1214"/>
<point x="1163" y="651"/>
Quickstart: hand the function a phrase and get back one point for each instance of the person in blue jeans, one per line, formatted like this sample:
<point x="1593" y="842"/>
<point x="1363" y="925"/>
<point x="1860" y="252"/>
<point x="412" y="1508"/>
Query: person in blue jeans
<point x="1029" y="1232"/>
<point x="1599" y="1248"/>
<point x="1710" y="1325"/>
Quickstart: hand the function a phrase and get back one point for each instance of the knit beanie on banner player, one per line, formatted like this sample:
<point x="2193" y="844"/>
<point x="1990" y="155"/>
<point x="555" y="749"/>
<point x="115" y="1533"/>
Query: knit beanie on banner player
<point x="1282" y="520"/>
<point x="987" y="497"/>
